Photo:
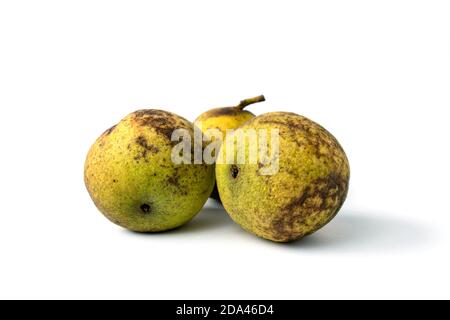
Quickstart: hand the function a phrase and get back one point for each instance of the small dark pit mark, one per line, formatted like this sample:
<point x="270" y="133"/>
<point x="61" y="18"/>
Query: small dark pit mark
<point x="234" y="170"/>
<point x="145" y="208"/>
<point x="114" y="180"/>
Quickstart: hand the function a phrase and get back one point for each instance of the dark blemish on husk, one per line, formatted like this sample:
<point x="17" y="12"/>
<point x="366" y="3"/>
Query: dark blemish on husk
<point x="164" y="123"/>
<point x="223" y="111"/>
<point x="108" y="132"/>
<point x="297" y="202"/>
<point x="148" y="147"/>
<point x="166" y="132"/>
<point x="114" y="180"/>
<point x="145" y="208"/>
<point x="329" y="190"/>
<point x="152" y="112"/>
<point x="174" y="180"/>
<point x="314" y="134"/>
<point x="234" y="170"/>
<point x="281" y="234"/>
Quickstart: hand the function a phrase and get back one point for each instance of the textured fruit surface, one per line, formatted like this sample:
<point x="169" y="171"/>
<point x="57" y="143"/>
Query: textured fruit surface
<point x="133" y="181"/>
<point x="225" y="118"/>
<point x="306" y="193"/>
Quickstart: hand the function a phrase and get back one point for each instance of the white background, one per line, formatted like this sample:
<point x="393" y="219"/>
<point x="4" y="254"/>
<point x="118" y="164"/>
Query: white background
<point x="374" y="73"/>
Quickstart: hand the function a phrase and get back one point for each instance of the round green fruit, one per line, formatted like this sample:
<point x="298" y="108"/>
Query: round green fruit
<point x="132" y="180"/>
<point x="306" y="192"/>
<point x="225" y="118"/>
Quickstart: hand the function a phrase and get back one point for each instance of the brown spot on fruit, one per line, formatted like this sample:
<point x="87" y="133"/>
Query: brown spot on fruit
<point x="314" y="135"/>
<point x="147" y="146"/>
<point x="223" y="111"/>
<point x="281" y="233"/>
<point x="145" y="208"/>
<point x="298" y="202"/>
<point x="174" y="180"/>
<point x="151" y="112"/>
<point x="166" y="132"/>
<point x="163" y="122"/>
<point x="108" y="132"/>
<point x="234" y="170"/>
<point x="323" y="194"/>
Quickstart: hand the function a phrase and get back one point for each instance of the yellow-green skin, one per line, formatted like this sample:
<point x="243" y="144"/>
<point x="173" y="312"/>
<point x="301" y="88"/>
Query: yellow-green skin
<point x="306" y="193"/>
<point x="223" y="119"/>
<point x="133" y="181"/>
